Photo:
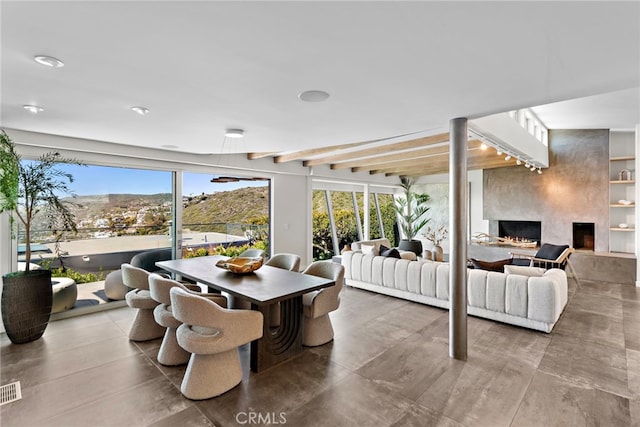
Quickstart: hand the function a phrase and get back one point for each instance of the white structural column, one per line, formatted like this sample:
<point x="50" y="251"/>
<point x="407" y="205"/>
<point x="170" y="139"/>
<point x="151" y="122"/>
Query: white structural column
<point x="458" y="200"/>
<point x="176" y="220"/>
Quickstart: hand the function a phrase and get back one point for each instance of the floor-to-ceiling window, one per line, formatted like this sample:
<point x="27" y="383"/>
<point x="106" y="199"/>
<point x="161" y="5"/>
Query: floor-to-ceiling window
<point x="222" y="211"/>
<point x="118" y="211"/>
<point x="122" y="211"/>
<point x="339" y="217"/>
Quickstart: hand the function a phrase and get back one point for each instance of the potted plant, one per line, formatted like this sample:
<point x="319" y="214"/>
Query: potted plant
<point x="411" y="210"/>
<point x="26" y="190"/>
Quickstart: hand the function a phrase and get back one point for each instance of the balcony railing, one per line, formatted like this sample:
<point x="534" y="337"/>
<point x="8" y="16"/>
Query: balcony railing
<point x="104" y="249"/>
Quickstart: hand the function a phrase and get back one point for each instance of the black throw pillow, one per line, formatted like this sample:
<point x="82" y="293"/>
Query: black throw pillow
<point x="389" y="253"/>
<point x="491" y="265"/>
<point x="549" y="251"/>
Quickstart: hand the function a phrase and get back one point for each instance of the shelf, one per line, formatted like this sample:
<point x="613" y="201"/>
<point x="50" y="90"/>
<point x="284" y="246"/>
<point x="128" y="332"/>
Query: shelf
<point x="619" y="205"/>
<point x="622" y="229"/>
<point x="622" y="158"/>
<point x="627" y="181"/>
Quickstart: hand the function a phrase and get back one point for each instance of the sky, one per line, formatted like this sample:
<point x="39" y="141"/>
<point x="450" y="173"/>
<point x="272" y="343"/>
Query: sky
<point x="92" y="180"/>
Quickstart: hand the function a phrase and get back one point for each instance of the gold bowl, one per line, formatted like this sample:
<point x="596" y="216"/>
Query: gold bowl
<point x="241" y="265"/>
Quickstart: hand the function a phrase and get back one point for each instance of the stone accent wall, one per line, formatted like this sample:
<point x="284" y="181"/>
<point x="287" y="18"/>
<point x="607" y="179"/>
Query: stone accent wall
<point x="575" y="188"/>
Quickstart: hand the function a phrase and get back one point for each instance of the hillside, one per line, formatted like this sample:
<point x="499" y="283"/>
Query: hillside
<point x="236" y="206"/>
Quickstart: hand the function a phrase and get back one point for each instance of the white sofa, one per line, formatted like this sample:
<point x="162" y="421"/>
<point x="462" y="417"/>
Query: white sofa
<point x="530" y="302"/>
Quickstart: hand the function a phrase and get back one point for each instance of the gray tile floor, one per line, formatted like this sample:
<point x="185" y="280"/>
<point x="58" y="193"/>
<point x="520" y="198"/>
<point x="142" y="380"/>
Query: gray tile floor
<point x="388" y="366"/>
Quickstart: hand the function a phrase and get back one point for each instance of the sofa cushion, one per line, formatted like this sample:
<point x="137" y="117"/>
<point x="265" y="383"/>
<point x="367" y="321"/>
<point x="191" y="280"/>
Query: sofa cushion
<point x="408" y="255"/>
<point x="491" y="265"/>
<point x="368" y="249"/>
<point x="389" y="252"/>
<point x="524" y="271"/>
<point x="356" y="246"/>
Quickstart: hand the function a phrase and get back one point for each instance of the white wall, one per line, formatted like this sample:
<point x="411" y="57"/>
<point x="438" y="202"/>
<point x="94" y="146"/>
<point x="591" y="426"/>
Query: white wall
<point x="291" y="216"/>
<point x="7" y="252"/>
<point x="477" y="223"/>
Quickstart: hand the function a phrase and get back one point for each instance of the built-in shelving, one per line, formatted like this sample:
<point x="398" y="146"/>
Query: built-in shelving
<point x="622" y="174"/>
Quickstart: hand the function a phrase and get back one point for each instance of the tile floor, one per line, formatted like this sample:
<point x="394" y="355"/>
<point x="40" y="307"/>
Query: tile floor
<point x="388" y="366"/>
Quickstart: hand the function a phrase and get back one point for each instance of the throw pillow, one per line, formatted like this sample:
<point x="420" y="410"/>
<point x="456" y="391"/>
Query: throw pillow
<point x="490" y="265"/>
<point x="524" y="271"/>
<point x="368" y="249"/>
<point x="549" y="251"/>
<point x="389" y="252"/>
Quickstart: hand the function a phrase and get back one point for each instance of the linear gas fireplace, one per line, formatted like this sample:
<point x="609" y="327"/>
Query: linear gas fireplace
<point x="521" y="230"/>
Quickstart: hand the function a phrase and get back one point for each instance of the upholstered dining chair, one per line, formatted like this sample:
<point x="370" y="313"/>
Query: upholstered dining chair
<point x="212" y="334"/>
<point x="285" y="261"/>
<point x="318" y="304"/>
<point x="170" y="353"/>
<point x="144" y="326"/>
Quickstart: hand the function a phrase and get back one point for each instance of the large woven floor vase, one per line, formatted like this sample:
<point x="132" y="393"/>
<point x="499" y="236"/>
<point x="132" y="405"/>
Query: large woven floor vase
<point x="26" y="305"/>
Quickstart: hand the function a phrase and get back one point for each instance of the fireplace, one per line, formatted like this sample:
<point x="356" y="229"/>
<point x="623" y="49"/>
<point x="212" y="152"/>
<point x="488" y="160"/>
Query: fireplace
<point x="584" y="235"/>
<point x="521" y="230"/>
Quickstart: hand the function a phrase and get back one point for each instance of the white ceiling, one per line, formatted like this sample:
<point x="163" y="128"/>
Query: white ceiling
<point x="391" y="68"/>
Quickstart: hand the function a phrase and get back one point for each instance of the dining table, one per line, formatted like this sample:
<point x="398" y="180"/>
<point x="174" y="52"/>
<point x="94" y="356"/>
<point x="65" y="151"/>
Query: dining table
<point x="263" y="288"/>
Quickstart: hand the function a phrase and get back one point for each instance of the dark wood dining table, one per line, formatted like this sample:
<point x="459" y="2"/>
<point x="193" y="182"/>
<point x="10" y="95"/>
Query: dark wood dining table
<point x="263" y="288"/>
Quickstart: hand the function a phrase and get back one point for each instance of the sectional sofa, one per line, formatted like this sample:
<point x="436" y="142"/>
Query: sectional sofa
<point x="533" y="299"/>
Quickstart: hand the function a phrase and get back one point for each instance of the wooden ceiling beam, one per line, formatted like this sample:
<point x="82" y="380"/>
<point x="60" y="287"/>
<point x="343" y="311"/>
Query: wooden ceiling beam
<point x="472" y="153"/>
<point x="407" y="158"/>
<point x="378" y="150"/>
<point x="372" y="162"/>
<point x="256" y="156"/>
<point x="443" y="166"/>
<point x="297" y="155"/>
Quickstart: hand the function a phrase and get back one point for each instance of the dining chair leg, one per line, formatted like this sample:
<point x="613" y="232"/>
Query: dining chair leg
<point x="317" y="331"/>
<point x="170" y="353"/>
<point x="204" y="379"/>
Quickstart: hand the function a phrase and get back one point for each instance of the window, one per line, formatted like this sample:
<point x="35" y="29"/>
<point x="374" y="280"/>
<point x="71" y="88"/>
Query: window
<point x="218" y="212"/>
<point x="338" y="220"/>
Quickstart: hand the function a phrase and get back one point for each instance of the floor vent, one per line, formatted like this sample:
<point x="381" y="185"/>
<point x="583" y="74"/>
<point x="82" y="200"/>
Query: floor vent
<point x="10" y="393"/>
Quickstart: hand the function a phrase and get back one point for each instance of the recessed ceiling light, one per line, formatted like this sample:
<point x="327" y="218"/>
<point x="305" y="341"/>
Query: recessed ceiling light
<point x="143" y="111"/>
<point x="48" y="61"/>
<point x="33" y="109"/>
<point x="234" y="133"/>
<point x="170" y="146"/>
<point x="313" y="96"/>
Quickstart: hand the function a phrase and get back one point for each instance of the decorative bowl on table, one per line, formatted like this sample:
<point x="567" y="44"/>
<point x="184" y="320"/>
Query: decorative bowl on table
<point x="625" y="202"/>
<point x="241" y="265"/>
